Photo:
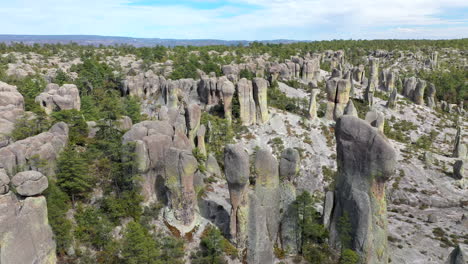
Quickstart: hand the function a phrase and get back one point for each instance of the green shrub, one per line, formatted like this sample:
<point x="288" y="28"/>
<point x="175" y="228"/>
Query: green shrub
<point x="349" y="256"/>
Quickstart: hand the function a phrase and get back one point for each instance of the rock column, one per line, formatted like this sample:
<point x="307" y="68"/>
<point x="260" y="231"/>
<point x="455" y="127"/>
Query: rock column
<point x="366" y="160"/>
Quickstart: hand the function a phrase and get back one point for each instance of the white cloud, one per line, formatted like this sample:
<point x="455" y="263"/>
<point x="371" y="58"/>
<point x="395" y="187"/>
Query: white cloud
<point x="296" y="19"/>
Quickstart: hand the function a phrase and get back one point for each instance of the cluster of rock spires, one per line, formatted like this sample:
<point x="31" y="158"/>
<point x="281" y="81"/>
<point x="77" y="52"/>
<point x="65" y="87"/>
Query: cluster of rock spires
<point x="262" y="215"/>
<point x="262" y="210"/>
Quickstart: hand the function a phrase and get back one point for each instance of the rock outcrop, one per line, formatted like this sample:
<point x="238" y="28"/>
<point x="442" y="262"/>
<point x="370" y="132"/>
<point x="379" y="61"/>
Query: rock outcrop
<point x="152" y="140"/>
<point x="460" y="150"/>
<point x="11" y="108"/>
<point x="25" y="234"/>
<point x="28" y="153"/>
<point x="264" y="209"/>
<point x="459" y="255"/>
<point x="430" y="97"/>
<point x="55" y="97"/>
<point x="180" y="167"/>
<point x="338" y="96"/>
<point x="391" y="103"/>
<point x="418" y="94"/>
<point x="313" y="107"/>
<point x="29" y="183"/>
<point x="260" y="87"/>
<point x="289" y="236"/>
<point x="373" y="81"/>
<point x="236" y="165"/>
<point x="376" y="119"/>
<point x="228" y="89"/>
<point x="366" y="160"/>
<point x="460" y="168"/>
<point x="350" y="109"/>
<point x="247" y="109"/>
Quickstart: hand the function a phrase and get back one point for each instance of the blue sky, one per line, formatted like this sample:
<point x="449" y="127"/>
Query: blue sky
<point x="241" y="19"/>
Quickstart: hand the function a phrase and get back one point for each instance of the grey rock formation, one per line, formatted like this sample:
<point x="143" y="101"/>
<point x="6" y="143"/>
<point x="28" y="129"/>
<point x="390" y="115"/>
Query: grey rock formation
<point x="459" y="255"/>
<point x="310" y="67"/>
<point x="228" y="89"/>
<point x="237" y="171"/>
<point x="260" y="87"/>
<point x="30" y="183"/>
<point x="288" y="170"/>
<point x="460" y="149"/>
<point x="430" y="97"/>
<point x="65" y="97"/>
<point x="246" y="102"/>
<point x="327" y="208"/>
<point x="376" y="119"/>
<point x="11" y="108"/>
<point x="313" y="107"/>
<point x="460" y="168"/>
<point x="212" y="166"/>
<point x="373" y="81"/>
<point x="152" y="140"/>
<point x="366" y="160"/>
<point x="201" y="139"/>
<point x="125" y="123"/>
<point x="264" y="209"/>
<point x="193" y="116"/>
<point x="418" y="94"/>
<point x="4" y="182"/>
<point x="289" y="164"/>
<point x="180" y="167"/>
<point x="25" y="234"/>
<point x="28" y="152"/>
<point x="409" y="86"/>
<point x="143" y="84"/>
<point x="350" y="109"/>
<point x="391" y="103"/>
<point x="338" y="96"/>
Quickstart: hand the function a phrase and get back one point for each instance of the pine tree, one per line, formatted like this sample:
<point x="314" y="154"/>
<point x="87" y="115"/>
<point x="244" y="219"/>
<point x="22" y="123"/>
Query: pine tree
<point x="139" y="247"/>
<point x="73" y="174"/>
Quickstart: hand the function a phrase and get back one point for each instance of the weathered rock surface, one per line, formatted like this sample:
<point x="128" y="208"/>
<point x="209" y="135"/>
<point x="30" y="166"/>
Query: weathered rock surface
<point x="29" y="183"/>
<point x="418" y="94"/>
<point x="459" y="255"/>
<point x="338" y="96"/>
<point x="180" y="167"/>
<point x="460" y="168"/>
<point x="25" y="234"/>
<point x="366" y="160"/>
<point x="236" y="166"/>
<point x="288" y="169"/>
<point x="246" y="102"/>
<point x="11" y="108"/>
<point x="430" y="97"/>
<point x="260" y="87"/>
<point x="4" y="182"/>
<point x="376" y="119"/>
<point x="391" y="103"/>
<point x="55" y="97"/>
<point x="152" y="141"/>
<point x="373" y="81"/>
<point x="28" y="152"/>
<point x="313" y="107"/>
<point x="460" y="149"/>
<point x="350" y="109"/>
<point x="264" y="209"/>
<point x="228" y="89"/>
